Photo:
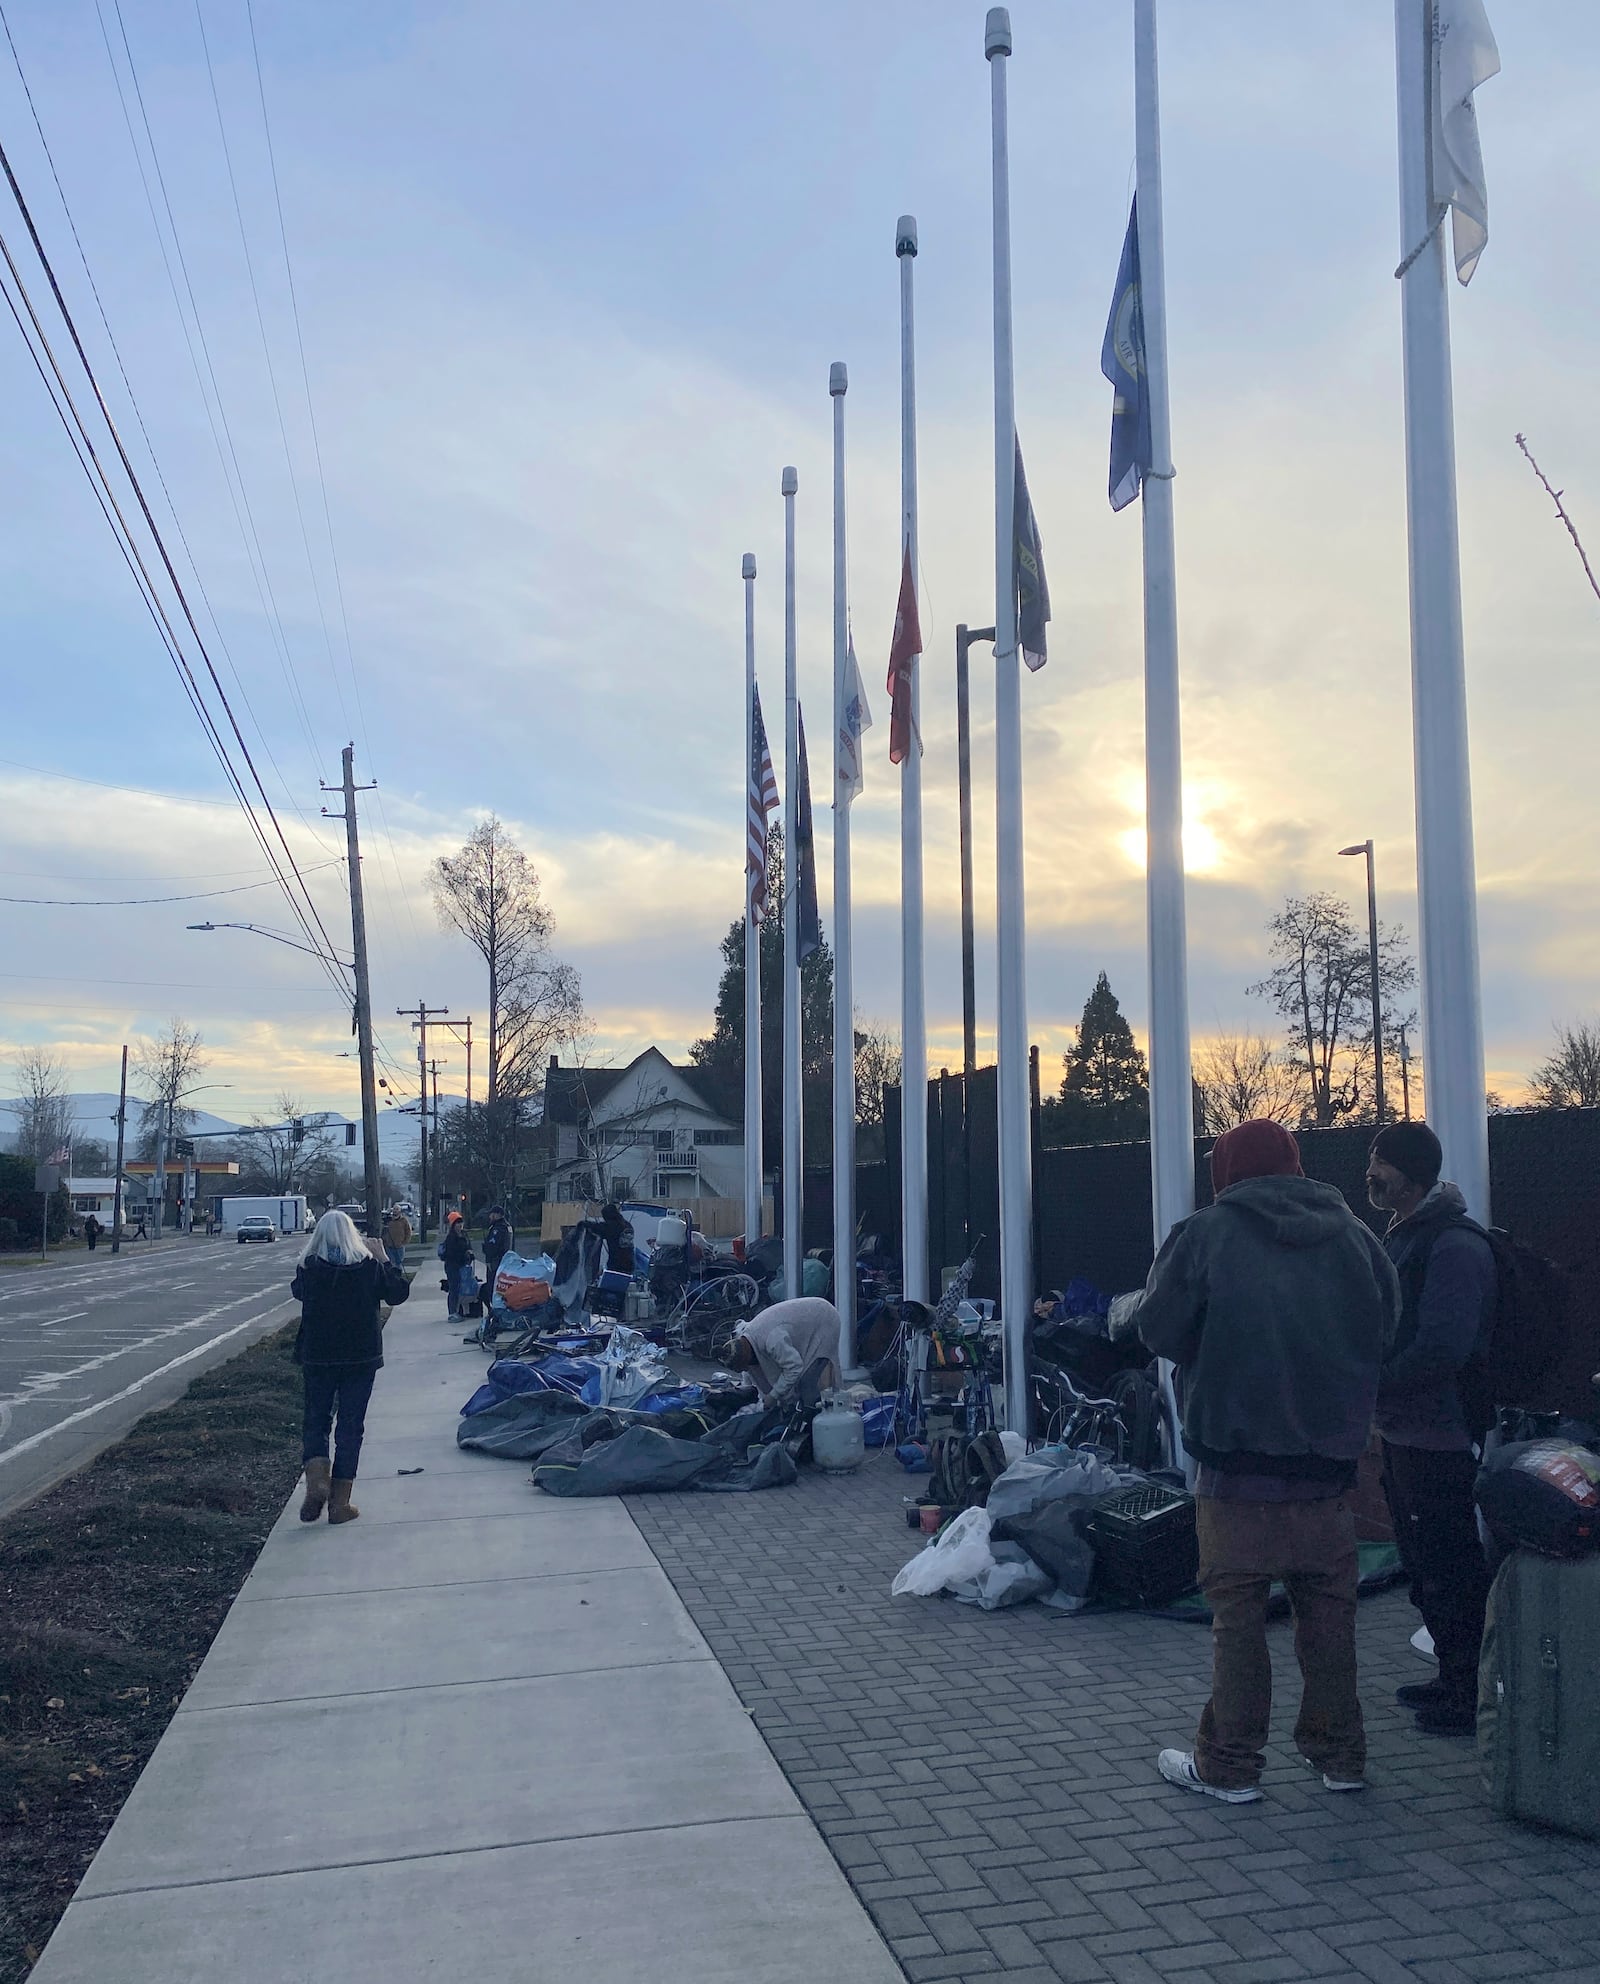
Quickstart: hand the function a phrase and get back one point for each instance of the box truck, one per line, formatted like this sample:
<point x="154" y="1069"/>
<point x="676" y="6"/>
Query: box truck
<point x="287" y="1213"/>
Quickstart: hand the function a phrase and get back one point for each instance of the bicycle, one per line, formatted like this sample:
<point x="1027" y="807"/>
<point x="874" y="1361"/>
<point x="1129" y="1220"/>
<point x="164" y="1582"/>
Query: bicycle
<point x="701" y="1320"/>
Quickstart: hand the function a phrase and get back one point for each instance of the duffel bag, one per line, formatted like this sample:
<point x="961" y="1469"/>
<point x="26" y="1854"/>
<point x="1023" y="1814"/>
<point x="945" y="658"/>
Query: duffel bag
<point x="1542" y="1495"/>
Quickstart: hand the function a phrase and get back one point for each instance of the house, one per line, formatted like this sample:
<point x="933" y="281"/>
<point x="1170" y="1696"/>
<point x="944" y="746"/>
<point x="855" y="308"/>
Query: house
<point x="93" y="1195"/>
<point x="643" y="1132"/>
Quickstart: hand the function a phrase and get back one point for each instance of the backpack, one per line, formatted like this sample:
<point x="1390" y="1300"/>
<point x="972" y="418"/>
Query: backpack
<point x="1522" y="1346"/>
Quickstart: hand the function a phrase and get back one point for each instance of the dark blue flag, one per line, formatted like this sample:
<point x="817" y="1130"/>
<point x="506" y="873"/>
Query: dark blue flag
<point x="810" y="917"/>
<point x="1122" y="360"/>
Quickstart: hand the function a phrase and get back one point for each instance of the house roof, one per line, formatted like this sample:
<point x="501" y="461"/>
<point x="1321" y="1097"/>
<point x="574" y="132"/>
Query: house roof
<point x="572" y="1093"/>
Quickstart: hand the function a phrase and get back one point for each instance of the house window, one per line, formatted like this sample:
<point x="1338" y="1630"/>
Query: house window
<point x="663" y="1139"/>
<point x="621" y="1187"/>
<point x="705" y="1137"/>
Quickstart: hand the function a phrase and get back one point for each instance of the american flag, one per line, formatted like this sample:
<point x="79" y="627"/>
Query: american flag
<point x="762" y="800"/>
<point x="62" y="1156"/>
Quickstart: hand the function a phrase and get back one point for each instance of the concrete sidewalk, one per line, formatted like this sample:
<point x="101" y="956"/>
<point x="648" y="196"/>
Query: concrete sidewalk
<point x="474" y="1734"/>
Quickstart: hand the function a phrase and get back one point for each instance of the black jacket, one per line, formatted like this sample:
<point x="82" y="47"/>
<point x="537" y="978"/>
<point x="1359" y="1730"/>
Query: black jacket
<point x="1448" y="1285"/>
<point x="1279" y="1306"/>
<point x="339" y="1310"/>
<point x="497" y="1240"/>
<point x="457" y="1247"/>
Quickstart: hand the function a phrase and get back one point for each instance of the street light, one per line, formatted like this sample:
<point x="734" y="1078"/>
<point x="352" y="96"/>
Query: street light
<point x="1365" y="847"/>
<point x="277" y="937"/>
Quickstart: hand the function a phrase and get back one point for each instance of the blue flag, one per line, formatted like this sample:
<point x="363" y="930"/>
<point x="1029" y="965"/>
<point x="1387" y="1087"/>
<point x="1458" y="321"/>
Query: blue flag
<point x="1122" y="360"/>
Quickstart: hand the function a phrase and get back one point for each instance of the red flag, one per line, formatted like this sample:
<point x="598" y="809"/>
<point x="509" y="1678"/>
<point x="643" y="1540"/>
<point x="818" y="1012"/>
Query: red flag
<point x="903" y="651"/>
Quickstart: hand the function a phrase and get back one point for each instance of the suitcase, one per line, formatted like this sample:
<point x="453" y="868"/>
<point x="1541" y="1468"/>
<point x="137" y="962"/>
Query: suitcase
<point x="1539" y="1692"/>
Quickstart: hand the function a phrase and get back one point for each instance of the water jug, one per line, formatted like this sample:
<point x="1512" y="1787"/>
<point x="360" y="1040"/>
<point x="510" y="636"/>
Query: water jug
<point x="838" y="1437"/>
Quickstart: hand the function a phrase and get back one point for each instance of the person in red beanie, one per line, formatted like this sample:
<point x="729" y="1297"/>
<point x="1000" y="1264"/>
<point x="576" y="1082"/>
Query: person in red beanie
<point x="1278" y="1305"/>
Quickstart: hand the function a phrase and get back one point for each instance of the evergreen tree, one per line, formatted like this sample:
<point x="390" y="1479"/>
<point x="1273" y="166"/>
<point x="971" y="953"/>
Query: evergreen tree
<point x="1105" y="1086"/>
<point x="719" y="1056"/>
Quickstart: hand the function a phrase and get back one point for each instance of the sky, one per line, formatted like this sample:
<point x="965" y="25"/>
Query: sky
<point x="569" y="282"/>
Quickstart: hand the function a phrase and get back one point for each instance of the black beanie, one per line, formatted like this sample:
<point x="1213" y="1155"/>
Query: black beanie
<point x="1412" y="1149"/>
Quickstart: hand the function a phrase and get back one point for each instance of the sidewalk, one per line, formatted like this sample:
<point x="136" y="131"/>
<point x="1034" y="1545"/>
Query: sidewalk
<point x="474" y="1734"/>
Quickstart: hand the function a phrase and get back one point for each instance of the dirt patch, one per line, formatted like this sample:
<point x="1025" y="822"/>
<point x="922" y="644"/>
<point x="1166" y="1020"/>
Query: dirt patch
<point x="112" y="1587"/>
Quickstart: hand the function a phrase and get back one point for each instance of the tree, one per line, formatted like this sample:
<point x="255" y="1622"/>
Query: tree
<point x="1321" y="983"/>
<point x="719" y="1056"/>
<point x="1242" y="1077"/>
<point x="879" y="1065"/>
<point x="1570" y="1077"/>
<point x="271" y="1161"/>
<point x="489" y="892"/>
<point x="166" y="1068"/>
<point x="1104" y="1096"/>
<point x="44" y="1115"/>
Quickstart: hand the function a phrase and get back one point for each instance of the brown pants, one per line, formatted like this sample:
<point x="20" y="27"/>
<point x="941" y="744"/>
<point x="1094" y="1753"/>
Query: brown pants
<point x="1311" y="1547"/>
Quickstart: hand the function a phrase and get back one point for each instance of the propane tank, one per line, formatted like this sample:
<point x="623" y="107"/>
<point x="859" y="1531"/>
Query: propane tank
<point x="838" y="1436"/>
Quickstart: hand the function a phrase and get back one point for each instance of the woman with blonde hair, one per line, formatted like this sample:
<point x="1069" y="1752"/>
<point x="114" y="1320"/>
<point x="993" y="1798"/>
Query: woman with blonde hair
<point x="341" y="1282"/>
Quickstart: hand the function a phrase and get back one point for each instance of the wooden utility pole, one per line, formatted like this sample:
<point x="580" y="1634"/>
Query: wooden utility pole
<point x="122" y="1125"/>
<point x="419" y="1015"/>
<point x="363" y="1011"/>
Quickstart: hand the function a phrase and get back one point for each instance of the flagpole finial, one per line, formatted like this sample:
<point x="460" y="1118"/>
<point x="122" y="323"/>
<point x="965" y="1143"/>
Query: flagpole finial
<point x="748" y="569"/>
<point x="997" y="33"/>
<point x="791" y="482"/>
<point x="905" y="235"/>
<point x="838" y="378"/>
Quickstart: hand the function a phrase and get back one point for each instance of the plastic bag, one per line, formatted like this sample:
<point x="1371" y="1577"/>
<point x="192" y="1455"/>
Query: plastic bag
<point x="959" y="1553"/>
<point x="522" y="1283"/>
<point x="1011" y="1578"/>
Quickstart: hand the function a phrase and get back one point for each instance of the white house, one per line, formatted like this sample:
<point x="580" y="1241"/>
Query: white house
<point x="642" y="1132"/>
<point x="96" y="1195"/>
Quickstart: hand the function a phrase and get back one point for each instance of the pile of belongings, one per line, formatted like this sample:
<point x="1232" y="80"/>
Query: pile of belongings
<point x="703" y="1437"/>
<point x="630" y="1371"/>
<point x="1029" y="1540"/>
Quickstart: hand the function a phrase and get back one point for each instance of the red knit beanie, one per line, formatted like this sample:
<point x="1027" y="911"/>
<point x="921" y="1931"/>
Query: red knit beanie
<point x="1254" y="1150"/>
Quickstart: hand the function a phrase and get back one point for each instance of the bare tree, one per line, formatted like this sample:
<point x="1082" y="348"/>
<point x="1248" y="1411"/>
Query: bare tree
<point x="272" y="1159"/>
<point x="1321" y="983"/>
<point x="1243" y="1077"/>
<point x="879" y="1066"/>
<point x="44" y="1115"/>
<point x="165" y="1069"/>
<point x="1570" y="1077"/>
<point x="1556" y="496"/>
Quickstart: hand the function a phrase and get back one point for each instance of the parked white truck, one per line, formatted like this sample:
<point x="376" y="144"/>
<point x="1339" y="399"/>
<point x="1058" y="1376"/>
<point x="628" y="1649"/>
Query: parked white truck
<point x="288" y="1213"/>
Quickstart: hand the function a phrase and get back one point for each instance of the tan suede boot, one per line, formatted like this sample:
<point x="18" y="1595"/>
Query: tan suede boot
<point x="340" y="1506"/>
<point x="317" y="1482"/>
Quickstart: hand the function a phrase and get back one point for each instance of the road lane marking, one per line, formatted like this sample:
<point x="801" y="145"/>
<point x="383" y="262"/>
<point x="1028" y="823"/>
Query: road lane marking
<point x="72" y="1316"/>
<point x="138" y="1385"/>
<point x="138" y="1343"/>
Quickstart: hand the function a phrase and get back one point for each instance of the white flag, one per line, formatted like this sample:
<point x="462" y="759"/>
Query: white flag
<point x="1464" y="55"/>
<point x="856" y="718"/>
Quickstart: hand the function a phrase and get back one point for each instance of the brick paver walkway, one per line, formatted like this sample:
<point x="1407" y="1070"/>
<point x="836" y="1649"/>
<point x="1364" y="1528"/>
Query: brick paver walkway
<point x="988" y="1781"/>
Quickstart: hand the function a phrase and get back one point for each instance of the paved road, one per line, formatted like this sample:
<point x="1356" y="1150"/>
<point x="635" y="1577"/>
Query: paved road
<point x="87" y="1348"/>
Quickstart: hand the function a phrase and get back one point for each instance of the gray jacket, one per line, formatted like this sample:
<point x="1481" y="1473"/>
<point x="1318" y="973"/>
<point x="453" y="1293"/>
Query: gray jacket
<point x="1278" y="1305"/>
<point x="788" y="1339"/>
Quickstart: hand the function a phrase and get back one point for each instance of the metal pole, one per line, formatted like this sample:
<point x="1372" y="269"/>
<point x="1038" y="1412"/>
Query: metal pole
<point x="122" y="1122"/>
<point x="965" y="636"/>
<point x="1447" y="914"/>
<point x="1016" y="1169"/>
<point x="913" y="989"/>
<point x="1377" y="988"/>
<point x="1171" y="1082"/>
<point x="163" y="1133"/>
<point x="755" y="889"/>
<point x="844" y="1009"/>
<point x="793" y="1134"/>
<point x="363" y="1013"/>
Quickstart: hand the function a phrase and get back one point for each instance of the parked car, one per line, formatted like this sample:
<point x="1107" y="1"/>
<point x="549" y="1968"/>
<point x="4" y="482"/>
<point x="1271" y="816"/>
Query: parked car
<point x="256" y="1229"/>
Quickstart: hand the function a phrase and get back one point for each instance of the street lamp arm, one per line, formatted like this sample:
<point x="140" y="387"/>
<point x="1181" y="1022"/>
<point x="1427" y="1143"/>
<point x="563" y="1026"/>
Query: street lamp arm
<point x="278" y="938"/>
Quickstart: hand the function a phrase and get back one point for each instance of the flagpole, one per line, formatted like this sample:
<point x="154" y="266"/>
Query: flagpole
<point x="793" y="1146"/>
<point x="752" y="937"/>
<point x="1171" y="1085"/>
<point x="913" y="993"/>
<point x="1447" y="914"/>
<point x="844" y="1036"/>
<point x="1016" y="1152"/>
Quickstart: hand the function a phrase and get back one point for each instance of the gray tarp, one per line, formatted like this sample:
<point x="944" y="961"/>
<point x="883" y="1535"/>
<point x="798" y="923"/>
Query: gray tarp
<point x="643" y="1458"/>
<point x="522" y="1426"/>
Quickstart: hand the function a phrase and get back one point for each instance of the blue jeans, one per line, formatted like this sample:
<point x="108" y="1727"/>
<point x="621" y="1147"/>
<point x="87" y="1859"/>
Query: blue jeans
<point x="341" y="1388"/>
<point x="397" y="1256"/>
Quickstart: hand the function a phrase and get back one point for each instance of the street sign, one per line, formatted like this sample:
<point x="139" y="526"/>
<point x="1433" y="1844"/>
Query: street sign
<point x="47" y="1178"/>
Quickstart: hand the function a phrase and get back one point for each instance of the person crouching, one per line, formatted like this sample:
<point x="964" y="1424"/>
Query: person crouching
<point x="780" y="1345"/>
<point x="341" y="1282"/>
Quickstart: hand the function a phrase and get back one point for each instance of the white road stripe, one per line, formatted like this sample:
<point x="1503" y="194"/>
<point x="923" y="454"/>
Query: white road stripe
<point x="138" y="1385"/>
<point x="72" y="1316"/>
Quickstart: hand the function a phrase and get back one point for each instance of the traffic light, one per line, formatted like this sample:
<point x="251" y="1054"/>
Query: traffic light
<point x="183" y="1146"/>
<point x="297" y="1129"/>
<point x="349" y="1134"/>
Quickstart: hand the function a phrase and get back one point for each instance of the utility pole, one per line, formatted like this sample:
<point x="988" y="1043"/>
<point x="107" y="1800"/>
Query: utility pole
<point x="122" y="1124"/>
<point x="438" y="1161"/>
<point x="419" y="1015"/>
<point x="363" y="1011"/>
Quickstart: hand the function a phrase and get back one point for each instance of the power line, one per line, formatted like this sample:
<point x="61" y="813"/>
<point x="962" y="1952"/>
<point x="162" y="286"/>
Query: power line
<point x="131" y="902"/>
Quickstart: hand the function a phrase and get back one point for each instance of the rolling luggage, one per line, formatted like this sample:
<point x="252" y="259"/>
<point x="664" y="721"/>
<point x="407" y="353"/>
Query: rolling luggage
<point x="1539" y="1692"/>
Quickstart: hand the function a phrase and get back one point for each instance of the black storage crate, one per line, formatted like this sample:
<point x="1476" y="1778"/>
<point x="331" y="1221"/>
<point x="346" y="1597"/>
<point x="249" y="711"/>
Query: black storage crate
<point x="1145" y="1547"/>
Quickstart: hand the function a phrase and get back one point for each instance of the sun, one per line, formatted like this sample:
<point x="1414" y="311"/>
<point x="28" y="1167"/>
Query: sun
<point x="1202" y="851"/>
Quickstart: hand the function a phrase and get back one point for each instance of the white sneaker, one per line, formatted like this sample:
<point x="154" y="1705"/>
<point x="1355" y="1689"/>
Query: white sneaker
<point x="1177" y="1767"/>
<point x="1330" y="1783"/>
<point x="1422" y="1642"/>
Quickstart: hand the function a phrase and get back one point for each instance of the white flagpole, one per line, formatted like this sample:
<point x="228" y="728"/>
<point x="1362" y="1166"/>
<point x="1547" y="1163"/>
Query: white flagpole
<point x="1016" y="1145"/>
<point x="844" y="1035"/>
<point x="1171" y="1087"/>
<point x="1447" y="914"/>
<point x="793" y="1145"/>
<point x="752" y="937"/>
<point x="913" y="997"/>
